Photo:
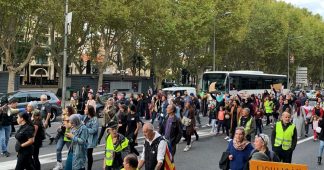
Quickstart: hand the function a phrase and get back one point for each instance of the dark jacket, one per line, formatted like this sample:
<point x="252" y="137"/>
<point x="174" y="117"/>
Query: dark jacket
<point x="176" y="131"/>
<point x="321" y="135"/>
<point x="5" y="120"/>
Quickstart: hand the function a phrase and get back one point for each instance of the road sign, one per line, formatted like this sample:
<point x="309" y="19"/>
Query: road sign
<point x="264" y="165"/>
<point x="301" y="75"/>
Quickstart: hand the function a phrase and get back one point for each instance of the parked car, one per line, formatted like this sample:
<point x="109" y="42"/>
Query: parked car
<point x="24" y="97"/>
<point x="311" y="94"/>
<point x="174" y="90"/>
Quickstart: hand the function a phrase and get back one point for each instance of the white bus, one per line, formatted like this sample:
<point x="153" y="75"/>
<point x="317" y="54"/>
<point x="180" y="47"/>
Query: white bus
<point x="242" y="82"/>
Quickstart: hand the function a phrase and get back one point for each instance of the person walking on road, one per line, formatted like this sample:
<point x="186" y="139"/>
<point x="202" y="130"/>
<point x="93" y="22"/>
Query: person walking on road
<point x="247" y="121"/>
<point x="117" y="148"/>
<point x="76" y="158"/>
<point x="321" y="138"/>
<point x="92" y="123"/>
<point x="109" y="113"/>
<point x="24" y="144"/>
<point x="5" y="128"/>
<point x="39" y="136"/>
<point x="154" y="149"/>
<point x="171" y="128"/>
<point x="45" y="109"/>
<point x="284" y="138"/>
<point x="133" y="126"/>
<point x="189" y="129"/>
<point x="239" y="149"/>
<point x="299" y="119"/>
<point x="61" y="138"/>
<point x="235" y="115"/>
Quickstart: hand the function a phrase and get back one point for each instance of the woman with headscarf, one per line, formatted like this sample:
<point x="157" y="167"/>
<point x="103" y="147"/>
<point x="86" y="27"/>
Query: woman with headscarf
<point x="299" y="119"/>
<point x="24" y="145"/>
<point x="76" y="158"/>
<point x="239" y="149"/>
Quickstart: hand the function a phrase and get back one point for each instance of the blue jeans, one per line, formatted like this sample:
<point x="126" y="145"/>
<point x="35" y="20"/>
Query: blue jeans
<point x="59" y="147"/>
<point x="4" y="137"/>
<point x="321" y="147"/>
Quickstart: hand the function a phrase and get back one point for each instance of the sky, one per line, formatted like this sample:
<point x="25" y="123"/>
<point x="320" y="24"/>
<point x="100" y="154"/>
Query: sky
<point x="315" y="6"/>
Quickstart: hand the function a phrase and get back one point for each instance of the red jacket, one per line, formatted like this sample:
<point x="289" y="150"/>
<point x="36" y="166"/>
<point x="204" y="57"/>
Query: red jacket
<point x="321" y="112"/>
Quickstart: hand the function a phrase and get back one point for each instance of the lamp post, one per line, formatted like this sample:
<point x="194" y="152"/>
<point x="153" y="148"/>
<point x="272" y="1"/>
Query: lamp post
<point x="214" y="38"/>
<point x="288" y="41"/>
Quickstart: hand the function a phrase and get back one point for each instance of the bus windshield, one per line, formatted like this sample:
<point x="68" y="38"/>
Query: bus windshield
<point x="219" y="78"/>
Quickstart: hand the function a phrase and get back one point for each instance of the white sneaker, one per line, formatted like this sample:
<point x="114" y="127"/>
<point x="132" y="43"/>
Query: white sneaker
<point x="59" y="166"/>
<point x="186" y="148"/>
<point x="229" y="140"/>
<point x="189" y="146"/>
<point x="227" y="137"/>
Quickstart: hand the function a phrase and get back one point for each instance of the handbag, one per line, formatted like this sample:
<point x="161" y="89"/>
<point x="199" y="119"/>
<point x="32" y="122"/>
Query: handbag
<point x="224" y="161"/>
<point x="186" y="121"/>
<point x="318" y="129"/>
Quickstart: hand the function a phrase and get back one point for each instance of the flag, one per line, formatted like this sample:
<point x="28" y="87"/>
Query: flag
<point x="169" y="164"/>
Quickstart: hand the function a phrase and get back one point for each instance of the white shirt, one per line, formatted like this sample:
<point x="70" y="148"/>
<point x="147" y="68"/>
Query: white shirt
<point x="309" y="109"/>
<point x="161" y="148"/>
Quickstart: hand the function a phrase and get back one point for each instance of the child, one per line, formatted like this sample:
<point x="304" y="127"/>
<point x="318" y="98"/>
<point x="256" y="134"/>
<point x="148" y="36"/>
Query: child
<point x="315" y="125"/>
<point x="212" y="117"/>
<point x="220" y="117"/>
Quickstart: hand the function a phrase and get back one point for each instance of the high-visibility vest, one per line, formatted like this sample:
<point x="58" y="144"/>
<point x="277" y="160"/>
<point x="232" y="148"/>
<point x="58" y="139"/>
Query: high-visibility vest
<point x="284" y="138"/>
<point x="66" y="139"/>
<point x="110" y="149"/>
<point x="268" y="105"/>
<point x="247" y="125"/>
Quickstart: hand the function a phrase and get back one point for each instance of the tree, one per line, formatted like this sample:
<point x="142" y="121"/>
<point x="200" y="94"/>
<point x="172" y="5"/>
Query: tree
<point x="22" y="24"/>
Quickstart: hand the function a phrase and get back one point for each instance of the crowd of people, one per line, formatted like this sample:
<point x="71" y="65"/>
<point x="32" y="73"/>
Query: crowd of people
<point x="239" y="118"/>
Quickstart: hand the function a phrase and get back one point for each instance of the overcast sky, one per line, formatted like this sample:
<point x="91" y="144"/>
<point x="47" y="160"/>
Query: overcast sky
<point x="315" y="6"/>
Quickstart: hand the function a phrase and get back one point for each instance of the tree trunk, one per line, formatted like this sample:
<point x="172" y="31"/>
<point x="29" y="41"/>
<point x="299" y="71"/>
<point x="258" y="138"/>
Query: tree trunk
<point x="100" y="76"/>
<point x="11" y="80"/>
<point x="60" y="79"/>
<point x="158" y="81"/>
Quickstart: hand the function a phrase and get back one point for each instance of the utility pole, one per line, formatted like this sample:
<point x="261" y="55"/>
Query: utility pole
<point x="65" y="54"/>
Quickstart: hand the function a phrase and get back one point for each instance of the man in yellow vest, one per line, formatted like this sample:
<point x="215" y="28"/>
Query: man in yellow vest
<point x="117" y="148"/>
<point x="284" y="138"/>
<point x="248" y="122"/>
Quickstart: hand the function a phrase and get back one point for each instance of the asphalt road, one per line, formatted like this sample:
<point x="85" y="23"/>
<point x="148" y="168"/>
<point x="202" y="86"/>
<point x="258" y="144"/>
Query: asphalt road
<point x="204" y="153"/>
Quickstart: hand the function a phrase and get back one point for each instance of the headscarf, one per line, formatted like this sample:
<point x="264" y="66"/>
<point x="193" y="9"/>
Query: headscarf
<point x="240" y="145"/>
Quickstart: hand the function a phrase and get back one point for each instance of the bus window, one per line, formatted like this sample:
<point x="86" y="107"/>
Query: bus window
<point x="210" y="78"/>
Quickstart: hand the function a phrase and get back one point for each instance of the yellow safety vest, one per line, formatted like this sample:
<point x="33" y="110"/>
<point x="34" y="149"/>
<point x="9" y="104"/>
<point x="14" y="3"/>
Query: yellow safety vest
<point x="284" y="138"/>
<point x="66" y="139"/>
<point x="110" y="149"/>
<point x="268" y="107"/>
<point x="247" y="125"/>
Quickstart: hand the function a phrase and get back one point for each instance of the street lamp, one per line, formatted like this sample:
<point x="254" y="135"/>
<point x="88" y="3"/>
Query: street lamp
<point x="214" y="44"/>
<point x="288" y="41"/>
